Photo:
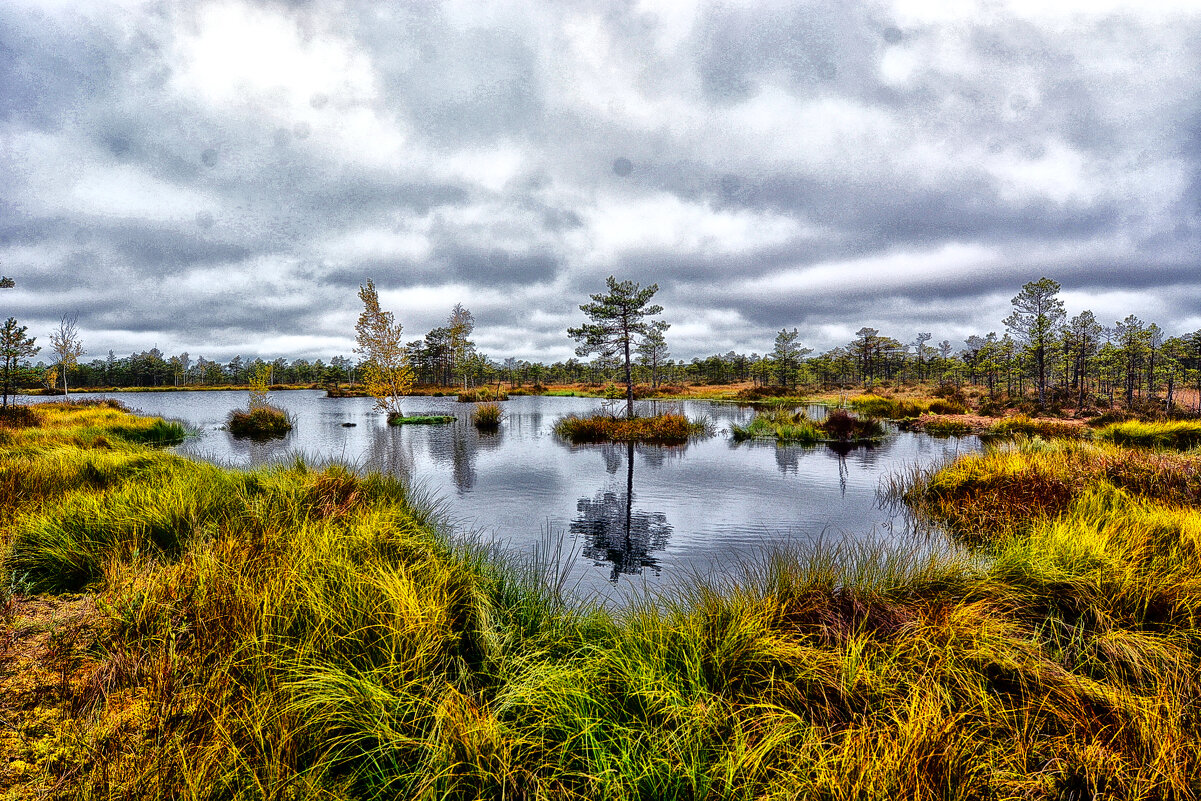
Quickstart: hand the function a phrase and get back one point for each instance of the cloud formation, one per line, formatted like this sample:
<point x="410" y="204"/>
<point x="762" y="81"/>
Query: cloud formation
<point x="220" y="176"/>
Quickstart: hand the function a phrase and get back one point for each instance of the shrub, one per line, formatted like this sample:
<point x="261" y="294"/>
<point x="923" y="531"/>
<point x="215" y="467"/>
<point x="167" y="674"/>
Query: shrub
<point x="262" y="423"/>
<point x="844" y="426"/>
<point x="946" y="428"/>
<point x="874" y="405"/>
<point x="487" y="416"/>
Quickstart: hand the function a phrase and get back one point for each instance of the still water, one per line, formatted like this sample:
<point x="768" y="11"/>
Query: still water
<point x="629" y="516"/>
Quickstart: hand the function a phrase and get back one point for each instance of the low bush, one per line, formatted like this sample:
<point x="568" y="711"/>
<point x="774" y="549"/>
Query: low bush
<point x="261" y="423"/>
<point x="940" y="406"/>
<point x="946" y="428"/>
<point x="787" y="425"/>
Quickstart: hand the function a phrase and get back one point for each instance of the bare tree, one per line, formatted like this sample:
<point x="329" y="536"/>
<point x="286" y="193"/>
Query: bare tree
<point x="67" y="346"/>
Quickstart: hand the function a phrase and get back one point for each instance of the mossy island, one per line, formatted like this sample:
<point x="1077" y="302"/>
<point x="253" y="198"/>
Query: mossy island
<point x="669" y="428"/>
<point x="791" y="426"/>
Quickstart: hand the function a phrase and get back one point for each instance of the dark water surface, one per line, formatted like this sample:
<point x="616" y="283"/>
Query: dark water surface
<point x="630" y="515"/>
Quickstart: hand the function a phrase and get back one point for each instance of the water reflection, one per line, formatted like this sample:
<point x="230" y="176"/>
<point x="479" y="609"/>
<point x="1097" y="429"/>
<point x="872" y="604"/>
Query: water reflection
<point x="615" y="533"/>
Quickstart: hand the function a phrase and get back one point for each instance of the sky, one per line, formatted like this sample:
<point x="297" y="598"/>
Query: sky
<point x="221" y="177"/>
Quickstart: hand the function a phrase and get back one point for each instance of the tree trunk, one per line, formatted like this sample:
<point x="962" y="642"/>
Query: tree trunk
<point x="629" y="380"/>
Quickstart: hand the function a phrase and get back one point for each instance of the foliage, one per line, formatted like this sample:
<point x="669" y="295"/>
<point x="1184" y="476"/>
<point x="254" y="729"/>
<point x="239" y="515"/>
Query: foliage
<point x="1021" y="425"/>
<point x="787" y="425"/>
<point x="481" y="394"/>
<point x="888" y="408"/>
<point x="14" y="347"/>
<point x="618" y="317"/>
<point x="385" y="371"/>
<point x="946" y="428"/>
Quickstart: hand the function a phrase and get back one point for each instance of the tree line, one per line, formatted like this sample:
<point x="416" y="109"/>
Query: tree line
<point x="1038" y="350"/>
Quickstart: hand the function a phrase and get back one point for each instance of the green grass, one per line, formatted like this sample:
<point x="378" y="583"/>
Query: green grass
<point x="669" y="428"/>
<point x="1180" y="435"/>
<point x="888" y="408"/>
<point x="946" y="428"/>
<point x="420" y="419"/>
<point x="297" y="633"/>
<point x="1020" y="425"/>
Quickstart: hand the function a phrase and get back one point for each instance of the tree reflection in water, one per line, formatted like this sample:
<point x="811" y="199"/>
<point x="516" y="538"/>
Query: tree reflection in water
<point x="617" y="534"/>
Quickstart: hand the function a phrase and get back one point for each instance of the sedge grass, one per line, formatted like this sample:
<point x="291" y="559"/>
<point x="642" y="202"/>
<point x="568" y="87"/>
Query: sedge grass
<point x="1180" y="435"/>
<point x="289" y="632"/>
<point x="487" y="416"/>
<point x="259" y="423"/>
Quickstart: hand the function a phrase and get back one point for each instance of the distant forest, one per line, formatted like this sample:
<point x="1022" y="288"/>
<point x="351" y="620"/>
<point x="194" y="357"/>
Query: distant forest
<point x="1038" y="350"/>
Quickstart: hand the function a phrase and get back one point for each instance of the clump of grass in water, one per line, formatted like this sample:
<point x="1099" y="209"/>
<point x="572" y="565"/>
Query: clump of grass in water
<point x="670" y="428"/>
<point x="1180" y="435"/>
<point x="487" y="416"/>
<point x="260" y="423"/>
<point x="787" y="425"/>
<point x="946" y="428"/>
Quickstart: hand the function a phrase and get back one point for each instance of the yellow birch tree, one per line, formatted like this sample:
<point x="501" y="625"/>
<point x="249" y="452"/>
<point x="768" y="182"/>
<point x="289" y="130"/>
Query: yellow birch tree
<point x="386" y="372"/>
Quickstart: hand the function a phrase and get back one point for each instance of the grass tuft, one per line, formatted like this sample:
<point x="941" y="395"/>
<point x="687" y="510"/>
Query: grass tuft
<point x="1180" y="435"/>
<point x="259" y="424"/>
<point x="487" y="416"/>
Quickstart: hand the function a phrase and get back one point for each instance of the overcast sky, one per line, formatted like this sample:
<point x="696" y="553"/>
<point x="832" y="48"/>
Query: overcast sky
<point x="219" y="177"/>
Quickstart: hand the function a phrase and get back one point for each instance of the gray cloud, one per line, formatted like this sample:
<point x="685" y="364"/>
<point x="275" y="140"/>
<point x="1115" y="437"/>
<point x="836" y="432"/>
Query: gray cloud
<point x="222" y="177"/>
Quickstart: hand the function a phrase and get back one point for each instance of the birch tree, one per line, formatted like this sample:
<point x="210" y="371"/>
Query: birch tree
<point x="385" y="371"/>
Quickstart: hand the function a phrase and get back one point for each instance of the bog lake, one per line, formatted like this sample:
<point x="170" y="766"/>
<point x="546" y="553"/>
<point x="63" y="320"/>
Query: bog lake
<point x="617" y="518"/>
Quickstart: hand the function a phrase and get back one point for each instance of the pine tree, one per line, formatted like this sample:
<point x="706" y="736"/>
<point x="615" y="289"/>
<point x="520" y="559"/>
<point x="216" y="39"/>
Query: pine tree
<point x="14" y="346"/>
<point x="1035" y="322"/>
<point x="617" y="318"/>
